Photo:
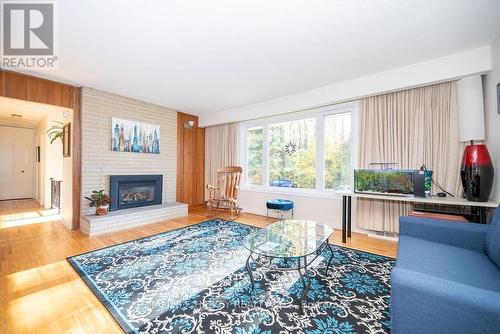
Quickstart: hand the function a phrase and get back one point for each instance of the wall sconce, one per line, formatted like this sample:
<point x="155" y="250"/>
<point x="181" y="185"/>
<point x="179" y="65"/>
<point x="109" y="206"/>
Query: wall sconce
<point x="189" y="125"/>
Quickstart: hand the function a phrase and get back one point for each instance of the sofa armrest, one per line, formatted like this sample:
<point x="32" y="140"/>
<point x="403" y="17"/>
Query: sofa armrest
<point x="425" y="304"/>
<point x="465" y="235"/>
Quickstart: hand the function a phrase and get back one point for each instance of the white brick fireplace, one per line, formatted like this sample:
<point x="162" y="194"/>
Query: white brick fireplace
<point x="99" y="161"/>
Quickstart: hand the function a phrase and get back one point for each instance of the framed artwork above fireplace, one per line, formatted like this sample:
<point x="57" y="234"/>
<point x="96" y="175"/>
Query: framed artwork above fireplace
<point x="131" y="136"/>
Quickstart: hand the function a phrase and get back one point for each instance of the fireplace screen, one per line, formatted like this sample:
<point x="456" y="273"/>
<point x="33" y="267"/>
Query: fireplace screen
<point x="130" y="195"/>
<point x="131" y="191"/>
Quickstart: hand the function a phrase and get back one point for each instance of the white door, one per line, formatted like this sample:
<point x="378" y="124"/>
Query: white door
<point x="6" y="135"/>
<point x="16" y="175"/>
<point x="22" y="163"/>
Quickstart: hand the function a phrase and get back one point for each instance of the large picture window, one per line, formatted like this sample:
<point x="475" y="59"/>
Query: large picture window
<point x="309" y="151"/>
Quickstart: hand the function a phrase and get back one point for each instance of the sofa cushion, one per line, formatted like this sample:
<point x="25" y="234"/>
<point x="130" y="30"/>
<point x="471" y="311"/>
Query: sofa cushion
<point x="448" y="262"/>
<point x="492" y="244"/>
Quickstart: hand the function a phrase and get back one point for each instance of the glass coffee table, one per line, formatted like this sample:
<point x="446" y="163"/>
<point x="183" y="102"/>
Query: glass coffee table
<point x="289" y="245"/>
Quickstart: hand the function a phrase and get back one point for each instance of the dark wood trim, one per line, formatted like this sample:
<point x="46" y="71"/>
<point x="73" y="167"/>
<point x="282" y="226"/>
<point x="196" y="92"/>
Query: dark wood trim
<point x="3" y="85"/>
<point x="77" y="156"/>
<point x="34" y="89"/>
<point x="67" y="96"/>
<point x="15" y="85"/>
<point x="180" y="157"/>
<point x="190" y="161"/>
<point x="198" y="206"/>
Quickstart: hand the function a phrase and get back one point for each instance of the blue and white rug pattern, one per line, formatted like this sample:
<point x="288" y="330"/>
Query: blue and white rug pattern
<point x="193" y="280"/>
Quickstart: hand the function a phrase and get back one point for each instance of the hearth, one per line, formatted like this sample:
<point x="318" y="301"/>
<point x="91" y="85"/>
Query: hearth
<point x="131" y="191"/>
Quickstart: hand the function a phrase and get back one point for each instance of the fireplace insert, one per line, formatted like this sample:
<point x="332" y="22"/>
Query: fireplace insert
<point x="131" y="191"/>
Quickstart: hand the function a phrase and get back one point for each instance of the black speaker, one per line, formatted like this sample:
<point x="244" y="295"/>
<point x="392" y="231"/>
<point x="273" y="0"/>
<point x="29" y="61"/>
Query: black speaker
<point x="419" y="183"/>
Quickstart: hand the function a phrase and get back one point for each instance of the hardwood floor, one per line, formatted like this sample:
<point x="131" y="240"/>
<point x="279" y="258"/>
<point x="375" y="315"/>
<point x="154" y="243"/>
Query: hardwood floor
<point x="22" y="209"/>
<point x="41" y="293"/>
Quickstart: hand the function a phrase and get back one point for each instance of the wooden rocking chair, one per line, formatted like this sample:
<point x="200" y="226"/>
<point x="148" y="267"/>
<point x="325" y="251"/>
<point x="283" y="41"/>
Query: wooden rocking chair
<point x="224" y="195"/>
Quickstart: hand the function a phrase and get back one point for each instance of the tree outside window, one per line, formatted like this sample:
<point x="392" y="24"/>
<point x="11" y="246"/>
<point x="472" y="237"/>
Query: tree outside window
<point x="255" y="137"/>
<point x="292" y="154"/>
<point x="337" y="142"/>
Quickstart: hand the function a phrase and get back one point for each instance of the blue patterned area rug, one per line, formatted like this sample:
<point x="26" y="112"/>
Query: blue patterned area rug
<point x="193" y="280"/>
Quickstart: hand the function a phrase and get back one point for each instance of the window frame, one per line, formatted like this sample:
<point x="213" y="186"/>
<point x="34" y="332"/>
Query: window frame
<point x="319" y="114"/>
<point x="244" y="153"/>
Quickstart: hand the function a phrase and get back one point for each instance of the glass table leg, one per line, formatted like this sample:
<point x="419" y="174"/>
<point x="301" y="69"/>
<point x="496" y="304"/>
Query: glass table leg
<point x="307" y="281"/>
<point x="249" y="270"/>
<point x="331" y="258"/>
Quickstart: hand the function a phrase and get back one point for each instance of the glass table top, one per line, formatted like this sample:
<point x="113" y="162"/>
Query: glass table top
<point x="288" y="238"/>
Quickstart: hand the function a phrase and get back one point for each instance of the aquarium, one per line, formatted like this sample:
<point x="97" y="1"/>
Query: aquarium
<point x="376" y="181"/>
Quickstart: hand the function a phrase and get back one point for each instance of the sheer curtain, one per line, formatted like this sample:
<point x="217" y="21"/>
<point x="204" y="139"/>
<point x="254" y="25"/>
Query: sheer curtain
<point x="411" y="127"/>
<point x="221" y="149"/>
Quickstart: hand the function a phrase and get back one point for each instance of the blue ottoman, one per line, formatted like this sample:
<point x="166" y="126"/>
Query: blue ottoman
<point x="280" y="205"/>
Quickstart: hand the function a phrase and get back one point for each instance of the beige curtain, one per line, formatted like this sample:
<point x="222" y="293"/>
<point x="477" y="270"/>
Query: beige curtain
<point x="411" y="127"/>
<point x="221" y="149"/>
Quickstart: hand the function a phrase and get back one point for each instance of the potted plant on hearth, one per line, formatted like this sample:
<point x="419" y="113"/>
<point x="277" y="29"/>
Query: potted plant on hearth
<point x="100" y="201"/>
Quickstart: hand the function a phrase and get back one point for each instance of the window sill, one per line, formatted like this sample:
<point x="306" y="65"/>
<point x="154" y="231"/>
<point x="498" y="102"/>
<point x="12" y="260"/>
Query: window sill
<point x="295" y="192"/>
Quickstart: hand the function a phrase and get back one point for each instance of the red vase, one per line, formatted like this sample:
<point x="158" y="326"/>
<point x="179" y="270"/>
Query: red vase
<point x="477" y="173"/>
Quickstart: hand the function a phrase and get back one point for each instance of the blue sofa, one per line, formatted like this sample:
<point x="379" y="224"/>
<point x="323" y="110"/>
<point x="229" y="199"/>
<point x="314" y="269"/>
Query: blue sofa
<point x="447" y="277"/>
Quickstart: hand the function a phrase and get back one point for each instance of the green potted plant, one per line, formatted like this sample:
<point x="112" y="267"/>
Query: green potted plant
<point x="100" y="201"/>
<point x="55" y="132"/>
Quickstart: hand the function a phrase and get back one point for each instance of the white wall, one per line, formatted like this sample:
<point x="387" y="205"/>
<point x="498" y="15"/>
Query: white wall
<point x="492" y="117"/>
<point x="322" y="209"/>
<point x="53" y="157"/>
<point x="476" y="61"/>
<point x="51" y="160"/>
<point x="99" y="161"/>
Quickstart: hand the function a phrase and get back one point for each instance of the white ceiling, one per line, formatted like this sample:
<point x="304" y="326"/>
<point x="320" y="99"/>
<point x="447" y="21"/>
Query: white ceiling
<point x="31" y="112"/>
<point x="207" y="56"/>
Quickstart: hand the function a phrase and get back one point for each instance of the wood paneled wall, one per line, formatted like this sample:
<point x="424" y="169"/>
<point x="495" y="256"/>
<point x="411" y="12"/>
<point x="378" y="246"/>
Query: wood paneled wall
<point x="190" y="161"/>
<point x="76" y="153"/>
<point x="33" y="89"/>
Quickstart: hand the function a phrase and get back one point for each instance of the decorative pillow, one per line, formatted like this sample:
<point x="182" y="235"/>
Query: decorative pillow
<point x="492" y="245"/>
